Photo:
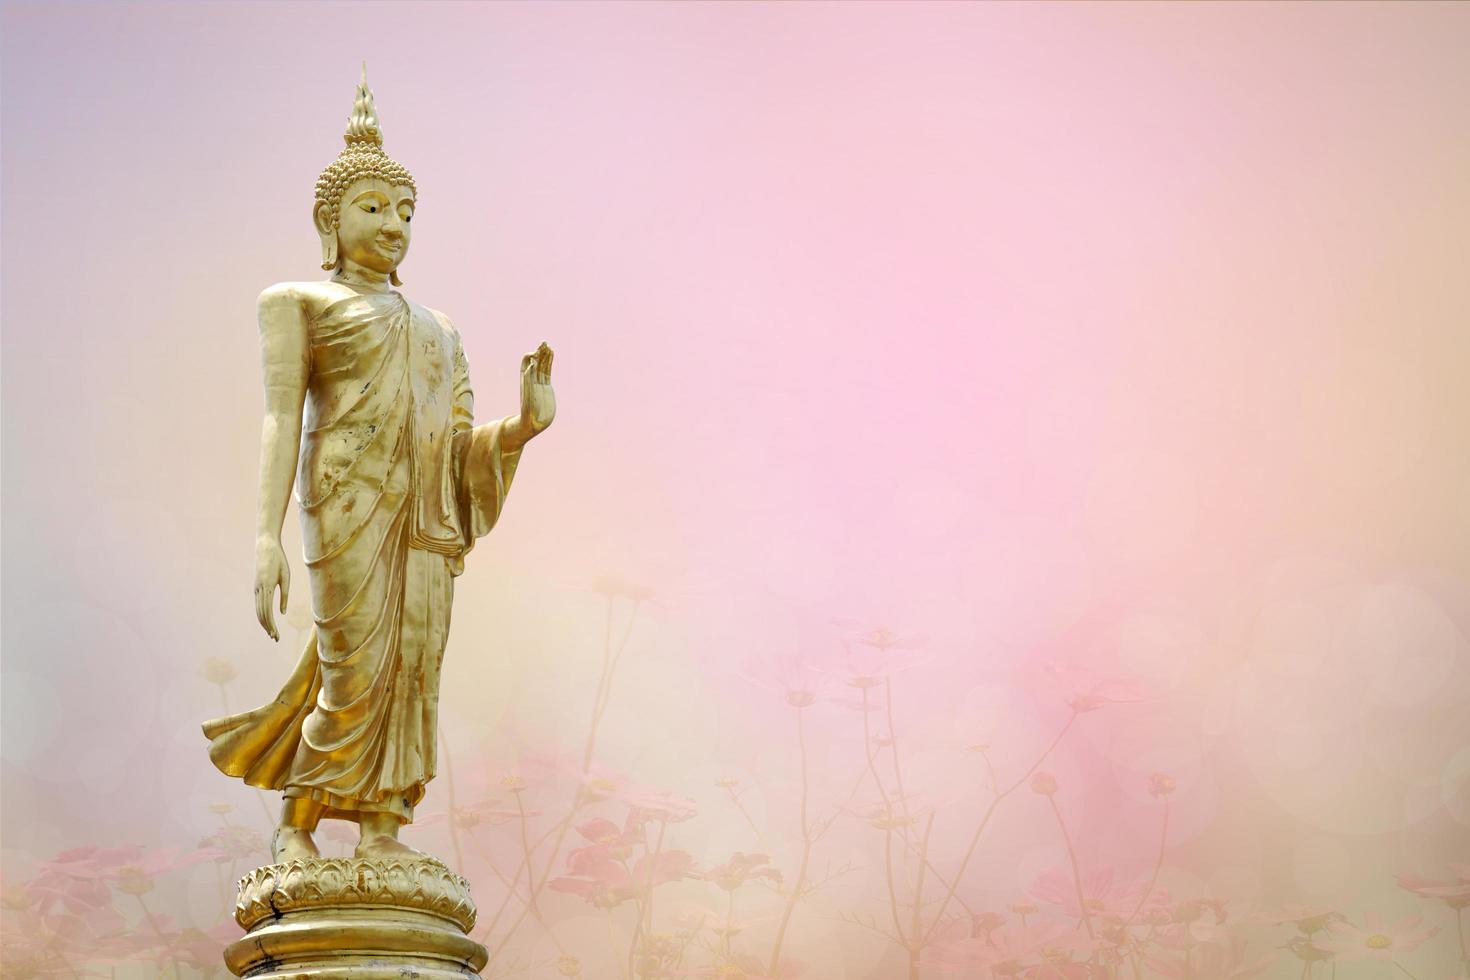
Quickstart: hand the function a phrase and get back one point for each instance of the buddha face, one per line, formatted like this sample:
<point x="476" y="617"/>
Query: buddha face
<point x="373" y="223"/>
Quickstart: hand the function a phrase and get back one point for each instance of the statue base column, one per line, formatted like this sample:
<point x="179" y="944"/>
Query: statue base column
<point x="353" y="917"/>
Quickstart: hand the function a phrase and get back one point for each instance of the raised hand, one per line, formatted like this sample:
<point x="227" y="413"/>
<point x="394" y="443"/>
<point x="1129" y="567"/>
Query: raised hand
<point x="538" y="401"/>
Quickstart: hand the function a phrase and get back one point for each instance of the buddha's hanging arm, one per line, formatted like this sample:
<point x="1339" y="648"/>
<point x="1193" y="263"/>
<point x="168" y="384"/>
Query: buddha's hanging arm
<point x="284" y="359"/>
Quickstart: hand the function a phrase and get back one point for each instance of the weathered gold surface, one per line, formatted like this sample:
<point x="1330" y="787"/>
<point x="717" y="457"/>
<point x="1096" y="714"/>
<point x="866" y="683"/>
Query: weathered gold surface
<point x="343" y="883"/>
<point x="370" y="415"/>
<point x="354" y="917"/>
<point x="394" y="484"/>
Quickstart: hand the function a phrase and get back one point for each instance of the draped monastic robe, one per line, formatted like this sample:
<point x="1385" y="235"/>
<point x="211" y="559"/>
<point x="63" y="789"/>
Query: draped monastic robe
<point x="395" y="483"/>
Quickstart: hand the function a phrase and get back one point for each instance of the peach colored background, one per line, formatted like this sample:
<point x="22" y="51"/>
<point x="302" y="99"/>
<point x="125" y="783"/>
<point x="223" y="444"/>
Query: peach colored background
<point x="1131" y="336"/>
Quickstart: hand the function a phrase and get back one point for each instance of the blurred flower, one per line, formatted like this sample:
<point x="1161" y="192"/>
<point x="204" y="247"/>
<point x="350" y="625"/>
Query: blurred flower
<point x="1307" y="950"/>
<point x="1160" y="785"/>
<point x="1210" y="962"/>
<point x="613" y="586"/>
<point x="491" y="811"/>
<point x="1378" y="940"/>
<point x="605" y="834"/>
<point x="1023" y="908"/>
<point x="1011" y="950"/>
<point x="727" y="782"/>
<point x="1191" y="934"/>
<point x="1044" y="784"/>
<point x="1157" y="916"/>
<point x="1455" y="894"/>
<point x="878" y="637"/>
<point x="605" y="882"/>
<point x="234" y="842"/>
<point x="691" y="917"/>
<point x="741" y="966"/>
<point x="36" y="944"/>
<point x="871" y="663"/>
<point x="797" y="676"/>
<point x="659" y="805"/>
<point x="1060" y="969"/>
<point x="984" y="923"/>
<point x="740" y="869"/>
<point x="1087" y="690"/>
<point x="78" y="877"/>
<point x="222" y="808"/>
<point x="218" y="670"/>
<point x="897" y="811"/>
<point x="1101" y="894"/>
<point x="568" y="965"/>
<point x="136" y="876"/>
<point x="598" y="786"/>
<point x="1309" y="919"/>
<point x="1191" y="910"/>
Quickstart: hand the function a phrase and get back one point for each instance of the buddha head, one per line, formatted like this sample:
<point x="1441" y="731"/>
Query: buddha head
<point x="364" y="199"/>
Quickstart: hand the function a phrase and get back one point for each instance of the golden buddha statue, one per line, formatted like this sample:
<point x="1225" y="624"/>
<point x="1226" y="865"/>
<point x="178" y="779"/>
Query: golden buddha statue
<point x="395" y="484"/>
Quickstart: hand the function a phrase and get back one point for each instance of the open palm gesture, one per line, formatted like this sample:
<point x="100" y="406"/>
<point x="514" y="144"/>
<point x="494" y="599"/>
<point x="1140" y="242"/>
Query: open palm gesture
<point x="538" y="401"/>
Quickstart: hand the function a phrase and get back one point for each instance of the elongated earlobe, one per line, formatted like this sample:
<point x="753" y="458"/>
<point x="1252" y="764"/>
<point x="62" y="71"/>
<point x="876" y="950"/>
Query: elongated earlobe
<point x="393" y="278"/>
<point x="326" y="230"/>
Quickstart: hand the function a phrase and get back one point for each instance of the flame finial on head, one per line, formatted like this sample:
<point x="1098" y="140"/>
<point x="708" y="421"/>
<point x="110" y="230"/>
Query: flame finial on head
<point x="363" y="156"/>
<point x="362" y="125"/>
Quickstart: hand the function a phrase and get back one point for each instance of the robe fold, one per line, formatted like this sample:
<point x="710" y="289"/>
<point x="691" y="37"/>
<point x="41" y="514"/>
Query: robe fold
<point x="394" y="485"/>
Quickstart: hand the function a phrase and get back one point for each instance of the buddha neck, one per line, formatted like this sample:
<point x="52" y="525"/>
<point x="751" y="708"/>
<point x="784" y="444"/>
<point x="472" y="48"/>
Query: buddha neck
<point x="361" y="277"/>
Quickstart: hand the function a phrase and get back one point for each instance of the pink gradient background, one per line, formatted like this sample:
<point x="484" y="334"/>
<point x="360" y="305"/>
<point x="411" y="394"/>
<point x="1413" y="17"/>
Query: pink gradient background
<point x="1133" y="337"/>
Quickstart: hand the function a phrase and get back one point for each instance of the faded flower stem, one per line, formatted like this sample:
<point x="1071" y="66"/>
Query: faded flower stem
<point x="916" y="925"/>
<point x="985" y="820"/>
<point x="1076" y="871"/>
<point x="806" y="848"/>
<point x="1153" y="879"/>
<point x="604" y="688"/>
<point x="887" y="822"/>
<point x="735" y="799"/>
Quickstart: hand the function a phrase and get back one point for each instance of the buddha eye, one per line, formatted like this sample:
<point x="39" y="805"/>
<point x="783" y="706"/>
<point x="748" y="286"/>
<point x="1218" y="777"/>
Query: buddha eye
<point x="372" y="209"/>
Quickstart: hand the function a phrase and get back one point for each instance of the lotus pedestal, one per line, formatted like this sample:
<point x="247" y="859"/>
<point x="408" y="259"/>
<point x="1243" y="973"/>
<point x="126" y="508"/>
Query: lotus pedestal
<point x="359" y="918"/>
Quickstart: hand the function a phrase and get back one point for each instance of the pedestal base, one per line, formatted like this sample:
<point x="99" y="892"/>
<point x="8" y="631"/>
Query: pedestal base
<point x="350" y="917"/>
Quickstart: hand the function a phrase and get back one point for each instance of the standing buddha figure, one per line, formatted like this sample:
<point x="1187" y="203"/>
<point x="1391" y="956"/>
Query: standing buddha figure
<point x="394" y="482"/>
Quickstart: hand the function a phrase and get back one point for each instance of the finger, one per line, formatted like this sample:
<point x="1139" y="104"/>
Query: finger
<point x="550" y="354"/>
<point x="285" y="589"/>
<point x="263" y="612"/>
<point x="527" y="360"/>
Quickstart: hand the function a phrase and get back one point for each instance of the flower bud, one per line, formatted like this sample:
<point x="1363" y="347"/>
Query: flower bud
<point x="984" y="923"/>
<point x="218" y="670"/>
<point x="1160" y="784"/>
<point x="1044" y="784"/>
<point x="132" y="881"/>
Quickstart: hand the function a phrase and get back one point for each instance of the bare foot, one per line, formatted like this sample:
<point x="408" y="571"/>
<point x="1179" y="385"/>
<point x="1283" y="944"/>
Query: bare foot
<point x="384" y="846"/>
<point x="291" y="843"/>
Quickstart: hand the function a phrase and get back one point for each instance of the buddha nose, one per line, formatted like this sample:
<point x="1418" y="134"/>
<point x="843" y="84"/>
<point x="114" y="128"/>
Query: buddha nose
<point x="393" y="225"/>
